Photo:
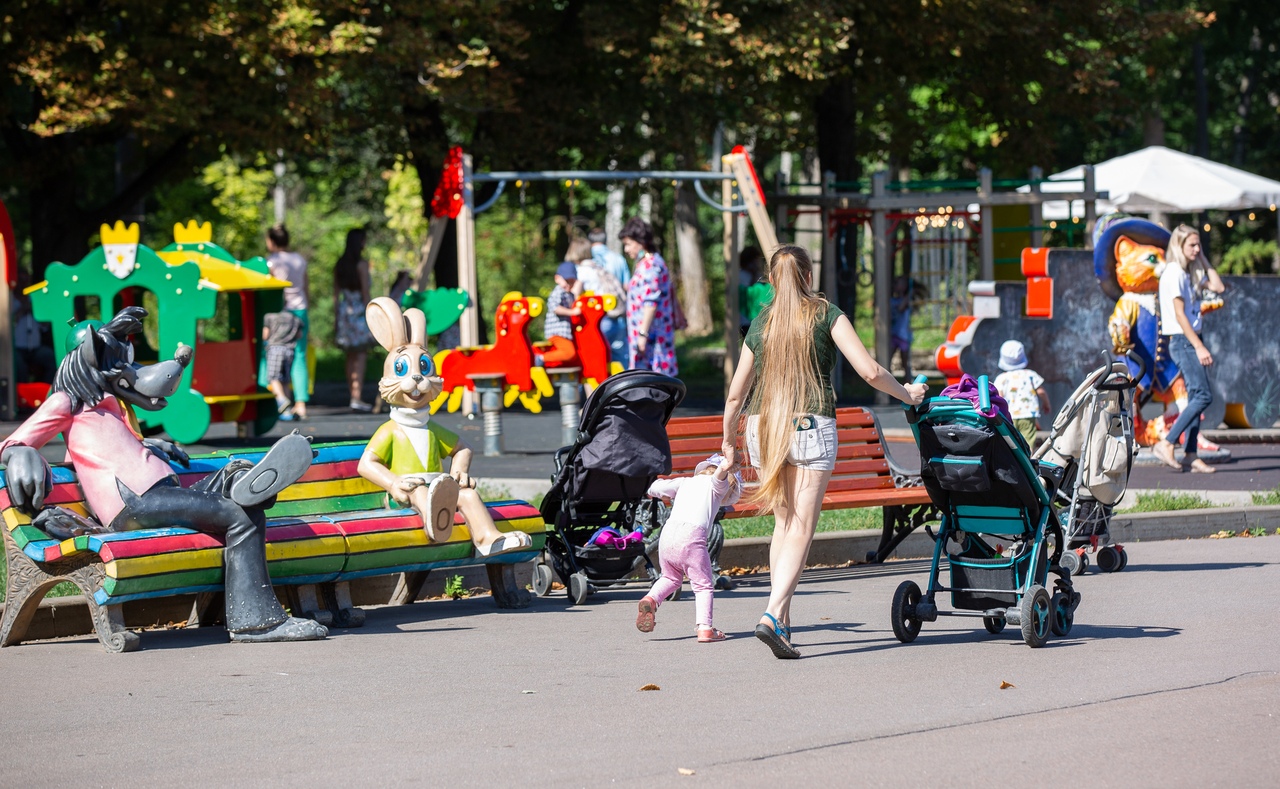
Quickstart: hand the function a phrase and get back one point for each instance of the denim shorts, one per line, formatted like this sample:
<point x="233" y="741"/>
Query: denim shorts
<point x="813" y="446"/>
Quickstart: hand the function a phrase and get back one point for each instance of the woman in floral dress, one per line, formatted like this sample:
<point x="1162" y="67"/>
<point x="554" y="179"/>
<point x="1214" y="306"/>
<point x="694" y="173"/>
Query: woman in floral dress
<point x="650" y="319"/>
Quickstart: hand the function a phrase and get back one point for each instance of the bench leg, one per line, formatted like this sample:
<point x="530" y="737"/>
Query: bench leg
<point x="345" y="612"/>
<point x="306" y="602"/>
<point x="207" y="610"/>
<point x="507" y="591"/>
<point x="409" y="587"/>
<point x="29" y="581"/>
<point x="899" y="521"/>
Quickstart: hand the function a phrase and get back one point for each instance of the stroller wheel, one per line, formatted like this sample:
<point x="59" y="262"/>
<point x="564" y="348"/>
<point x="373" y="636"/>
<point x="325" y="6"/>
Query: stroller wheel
<point x="542" y="579"/>
<point x="906" y="625"/>
<point x="1124" y="559"/>
<point x="578" y="588"/>
<point x="1108" y="559"/>
<point x="1070" y="563"/>
<point x="1084" y="562"/>
<point x="1063" y="616"/>
<point x="994" y="624"/>
<point x="1035" y="615"/>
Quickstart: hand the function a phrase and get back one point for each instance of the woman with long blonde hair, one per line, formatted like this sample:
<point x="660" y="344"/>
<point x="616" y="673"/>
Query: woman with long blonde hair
<point x="1186" y="271"/>
<point x="791" y="428"/>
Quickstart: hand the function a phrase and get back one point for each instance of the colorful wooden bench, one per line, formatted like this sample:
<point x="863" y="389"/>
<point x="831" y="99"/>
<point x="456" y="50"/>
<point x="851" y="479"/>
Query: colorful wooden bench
<point x="865" y="475"/>
<point x="329" y="528"/>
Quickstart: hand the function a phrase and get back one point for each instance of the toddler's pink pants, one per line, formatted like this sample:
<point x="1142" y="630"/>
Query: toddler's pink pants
<point x="682" y="549"/>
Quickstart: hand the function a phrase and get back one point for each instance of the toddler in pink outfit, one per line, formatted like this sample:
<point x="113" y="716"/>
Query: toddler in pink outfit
<point x="682" y="548"/>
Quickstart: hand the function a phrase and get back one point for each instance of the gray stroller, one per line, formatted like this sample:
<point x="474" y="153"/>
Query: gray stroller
<point x="1086" y="462"/>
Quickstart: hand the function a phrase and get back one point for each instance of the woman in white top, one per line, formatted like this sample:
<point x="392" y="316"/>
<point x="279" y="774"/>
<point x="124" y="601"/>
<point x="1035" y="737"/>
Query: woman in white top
<point x="1185" y="273"/>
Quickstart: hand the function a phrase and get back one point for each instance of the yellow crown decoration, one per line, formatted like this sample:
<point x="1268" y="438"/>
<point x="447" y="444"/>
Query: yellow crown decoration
<point x="191" y="233"/>
<point x="120" y="234"/>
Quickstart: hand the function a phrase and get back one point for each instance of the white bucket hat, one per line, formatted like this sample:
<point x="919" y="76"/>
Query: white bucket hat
<point x="1012" y="356"/>
<point x="735" y="491"/>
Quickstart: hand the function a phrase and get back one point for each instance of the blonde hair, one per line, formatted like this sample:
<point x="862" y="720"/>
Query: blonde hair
<point x="789" y="384"/>
<point x="1174" y="254"/>
<point x="578" y="251"/>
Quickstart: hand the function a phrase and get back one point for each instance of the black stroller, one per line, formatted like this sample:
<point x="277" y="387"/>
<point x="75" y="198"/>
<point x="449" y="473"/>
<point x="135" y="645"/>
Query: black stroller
<point x="601" y="482"/>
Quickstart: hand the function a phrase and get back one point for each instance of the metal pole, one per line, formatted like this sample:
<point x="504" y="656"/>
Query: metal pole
<point x="469" y="326"/>
<point x="732" y="247"/>
<point x="279" y="196"/>
<point x="1037" y="209"/>
<point x="1090" y="206"/>
<point x="489" y="387"/>
<point x="880" y="270"/>
<point x="988" y="260"/>
<point x="828" y="282"/>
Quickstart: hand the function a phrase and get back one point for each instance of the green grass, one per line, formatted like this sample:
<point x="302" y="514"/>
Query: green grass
<point x="1267" y="498"/>
<point x="833" y="520"/>
<point x="1159" y="501"/>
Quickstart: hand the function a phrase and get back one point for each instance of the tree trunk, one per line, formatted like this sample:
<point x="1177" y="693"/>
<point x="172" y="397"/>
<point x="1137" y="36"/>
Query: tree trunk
<point x="697" y="305"/>
<point x="837" y="127"/>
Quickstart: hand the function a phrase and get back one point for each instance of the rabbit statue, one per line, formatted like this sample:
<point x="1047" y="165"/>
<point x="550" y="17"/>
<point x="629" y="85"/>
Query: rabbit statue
<point x="405" y="455"/>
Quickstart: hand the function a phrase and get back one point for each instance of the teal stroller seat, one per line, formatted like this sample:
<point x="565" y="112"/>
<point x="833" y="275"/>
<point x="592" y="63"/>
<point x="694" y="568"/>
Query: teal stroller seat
<point x="999" y="537"/>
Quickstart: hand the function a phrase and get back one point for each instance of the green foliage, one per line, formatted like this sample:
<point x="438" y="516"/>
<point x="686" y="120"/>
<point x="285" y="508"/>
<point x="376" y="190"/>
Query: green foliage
<point x="1162" y="501"/>
<point x="831" y="520"/>
<point x="453" y="587"/>
<point x="1257" y="531"/>
<point x="1269" y="498"/>
<point x="1251" y="256"/>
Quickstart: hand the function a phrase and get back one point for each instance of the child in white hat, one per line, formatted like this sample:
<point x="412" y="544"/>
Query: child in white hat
<point x="1023" y="389"/>
<point x="682" y="548"/>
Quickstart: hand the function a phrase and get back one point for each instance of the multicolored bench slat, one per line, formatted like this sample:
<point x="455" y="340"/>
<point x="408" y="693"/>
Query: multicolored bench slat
<point x="332" y="525"/>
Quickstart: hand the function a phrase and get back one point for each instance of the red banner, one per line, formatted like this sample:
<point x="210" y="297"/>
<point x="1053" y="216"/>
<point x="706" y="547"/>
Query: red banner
<point x="755" y="179"/>
<point x="8" y="249"/>
<point x="447" y="201"/>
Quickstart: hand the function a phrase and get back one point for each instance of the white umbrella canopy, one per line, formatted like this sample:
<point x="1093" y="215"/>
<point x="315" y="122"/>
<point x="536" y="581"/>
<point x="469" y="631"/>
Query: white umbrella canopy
<point x="1157" y="179"/>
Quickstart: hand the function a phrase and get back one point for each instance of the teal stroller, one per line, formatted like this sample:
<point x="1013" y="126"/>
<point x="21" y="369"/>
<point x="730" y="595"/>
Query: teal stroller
<point x="996" y="525"/>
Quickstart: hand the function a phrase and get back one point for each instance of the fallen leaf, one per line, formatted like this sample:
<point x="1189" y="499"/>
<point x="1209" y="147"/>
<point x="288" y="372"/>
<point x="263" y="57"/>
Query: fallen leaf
<point x="526" y="692"/>
<point x="685" y="771"/>
<point x="1006" y="685"/>
<point x="825" y="618"/>
<point x="650" y="686"/>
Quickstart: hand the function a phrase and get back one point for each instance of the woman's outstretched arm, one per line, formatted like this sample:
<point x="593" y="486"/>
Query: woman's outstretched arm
<point x="846" y="339"/>
<point x="738" y="388"/>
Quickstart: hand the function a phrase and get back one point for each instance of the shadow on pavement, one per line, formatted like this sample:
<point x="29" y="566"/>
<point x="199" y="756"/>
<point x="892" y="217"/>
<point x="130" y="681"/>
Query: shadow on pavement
<point x="1182" y="568"/>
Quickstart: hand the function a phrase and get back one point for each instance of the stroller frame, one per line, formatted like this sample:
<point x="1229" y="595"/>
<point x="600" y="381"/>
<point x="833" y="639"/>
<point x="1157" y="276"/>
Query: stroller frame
<point x="581" y="567"/>
<point x="986" y="583"/>
<point x="1085" y="520"/>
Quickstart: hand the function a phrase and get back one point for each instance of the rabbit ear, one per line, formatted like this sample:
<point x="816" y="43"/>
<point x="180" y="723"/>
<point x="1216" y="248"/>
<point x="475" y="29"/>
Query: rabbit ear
<point x="386" y="323"/>
<point x="417" y="321"/>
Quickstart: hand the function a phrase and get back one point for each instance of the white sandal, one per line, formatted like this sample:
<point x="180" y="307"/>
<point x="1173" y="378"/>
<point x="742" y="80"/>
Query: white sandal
<point x="508" y="542"/>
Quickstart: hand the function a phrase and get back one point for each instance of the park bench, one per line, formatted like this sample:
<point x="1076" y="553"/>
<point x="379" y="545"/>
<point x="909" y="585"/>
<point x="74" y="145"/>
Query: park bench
<point x="329" y="528"/>
<point x="865" y="475"/>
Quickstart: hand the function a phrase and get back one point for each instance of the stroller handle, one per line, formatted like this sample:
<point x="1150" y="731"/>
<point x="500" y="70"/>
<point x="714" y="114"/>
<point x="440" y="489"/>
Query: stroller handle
<point x="984" y="394"/>
<point x="1130" y="382"/>
<point x="919" y="379"/>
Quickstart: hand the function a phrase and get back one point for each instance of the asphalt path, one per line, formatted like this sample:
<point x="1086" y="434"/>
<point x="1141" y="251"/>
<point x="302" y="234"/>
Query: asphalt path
<point x="1171" y="677"/>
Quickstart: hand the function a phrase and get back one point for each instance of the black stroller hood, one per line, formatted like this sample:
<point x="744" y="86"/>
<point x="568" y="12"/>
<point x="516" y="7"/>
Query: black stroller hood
<point x="622" y="440"/>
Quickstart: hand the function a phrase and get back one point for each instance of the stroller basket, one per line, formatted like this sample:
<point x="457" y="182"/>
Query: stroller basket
<point x="605" y="562"/>
<point x="975" y="582"/>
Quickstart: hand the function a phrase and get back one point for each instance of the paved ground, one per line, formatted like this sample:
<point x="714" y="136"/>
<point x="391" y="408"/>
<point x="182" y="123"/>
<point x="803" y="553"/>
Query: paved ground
<point x="1171" y="677"/>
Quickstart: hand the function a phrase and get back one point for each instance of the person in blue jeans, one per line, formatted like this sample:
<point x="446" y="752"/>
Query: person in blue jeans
<point x="1186" y="272"/>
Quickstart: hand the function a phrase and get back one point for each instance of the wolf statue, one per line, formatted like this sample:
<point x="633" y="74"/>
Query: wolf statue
<point x="128" y="483"/>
